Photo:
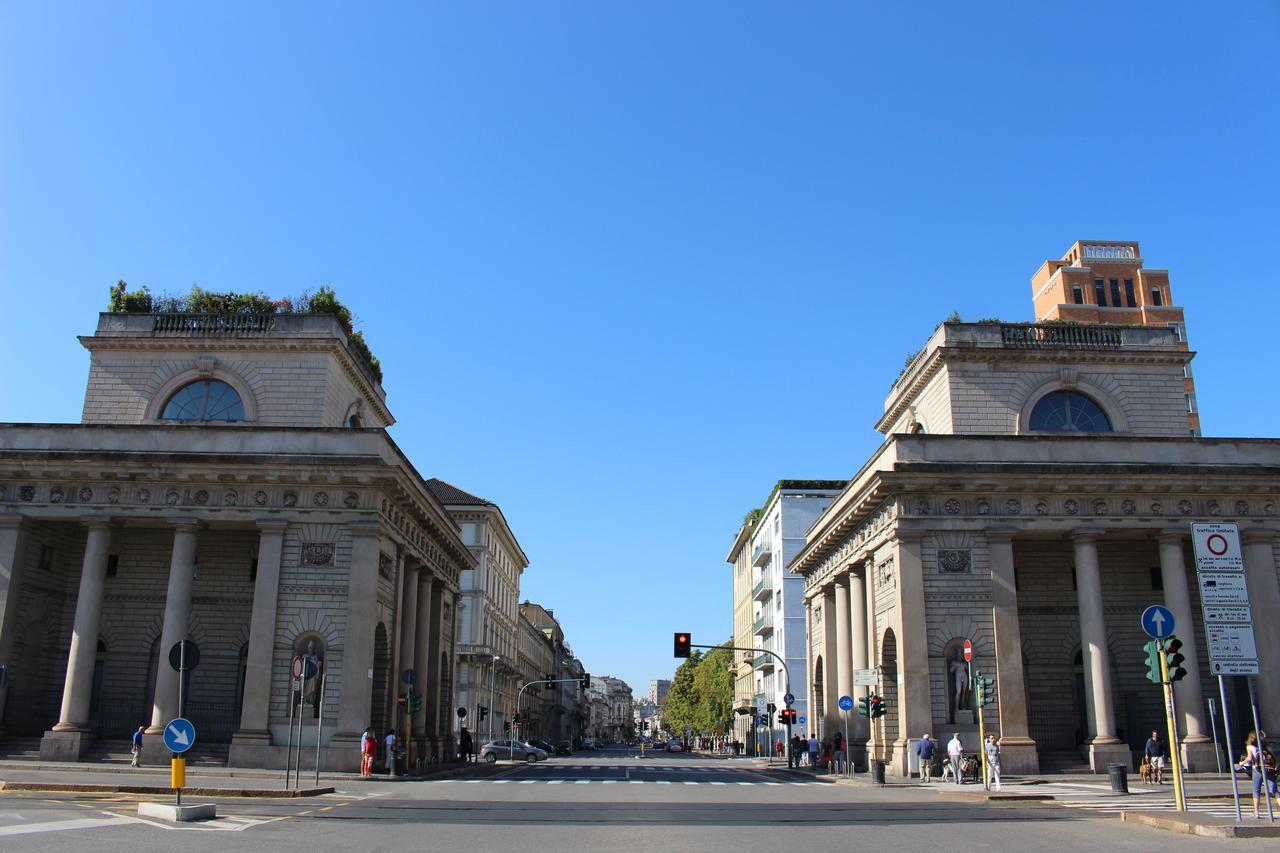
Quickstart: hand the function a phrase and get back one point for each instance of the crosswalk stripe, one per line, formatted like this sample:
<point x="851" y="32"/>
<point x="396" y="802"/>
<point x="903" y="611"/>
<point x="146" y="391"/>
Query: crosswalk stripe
<point x="62" y="825"/>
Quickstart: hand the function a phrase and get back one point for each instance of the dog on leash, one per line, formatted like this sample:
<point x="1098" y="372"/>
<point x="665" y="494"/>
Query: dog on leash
<point x="1146" y="770"/>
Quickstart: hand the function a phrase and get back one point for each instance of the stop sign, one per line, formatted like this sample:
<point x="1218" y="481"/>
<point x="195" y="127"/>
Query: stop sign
<point x="968" y="651"/>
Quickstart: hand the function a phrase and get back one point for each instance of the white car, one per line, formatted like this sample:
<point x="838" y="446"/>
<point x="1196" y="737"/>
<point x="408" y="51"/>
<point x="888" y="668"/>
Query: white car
<point x="514" y="749"/>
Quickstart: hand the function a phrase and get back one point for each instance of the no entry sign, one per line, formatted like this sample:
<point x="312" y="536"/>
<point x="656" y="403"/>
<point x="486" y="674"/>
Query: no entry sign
<point x="968" y="651"/>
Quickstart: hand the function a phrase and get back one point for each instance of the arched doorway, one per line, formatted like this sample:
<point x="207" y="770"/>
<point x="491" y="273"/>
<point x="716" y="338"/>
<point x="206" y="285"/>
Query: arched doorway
<point x="819" y="715"/>
<point x="889" y="670"/>
<point x="379" y="717"/>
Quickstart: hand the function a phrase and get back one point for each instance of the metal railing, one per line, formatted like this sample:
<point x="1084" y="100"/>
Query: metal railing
<point x="205" y="325"/>
<point x="1041" y="336"/>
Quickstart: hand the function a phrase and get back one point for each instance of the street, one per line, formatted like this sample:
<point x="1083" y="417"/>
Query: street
<point x="606" y="800"/>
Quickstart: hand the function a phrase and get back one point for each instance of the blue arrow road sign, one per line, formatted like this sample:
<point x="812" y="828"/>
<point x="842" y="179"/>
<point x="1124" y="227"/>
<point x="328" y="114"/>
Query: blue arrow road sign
<point x="789" y="699"/>
<point x="802" y="721"/>
<point x="409" y="677"/>
<point x="1157" y="621"/>
<point x="846" y="703"/>
<point x="179" y="735"/>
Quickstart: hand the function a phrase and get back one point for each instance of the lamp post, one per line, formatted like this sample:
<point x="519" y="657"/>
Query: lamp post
<point x="493" y="674"/>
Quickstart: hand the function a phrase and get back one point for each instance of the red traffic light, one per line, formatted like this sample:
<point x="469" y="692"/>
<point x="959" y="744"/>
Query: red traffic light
<point x="682" y="645"/>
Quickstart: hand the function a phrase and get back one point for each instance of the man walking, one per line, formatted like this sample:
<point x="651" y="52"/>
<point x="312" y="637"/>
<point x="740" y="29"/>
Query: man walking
<point x="924" y="750"/>
<point x="993" y="762"/>
<point x="797" y="746"/>
<point x="137" y="747"/>
<point x="391" y="752"/>
<point x="955" y="754"/>
<point x="1155" y="754"/>
<point x="813" y="751"/>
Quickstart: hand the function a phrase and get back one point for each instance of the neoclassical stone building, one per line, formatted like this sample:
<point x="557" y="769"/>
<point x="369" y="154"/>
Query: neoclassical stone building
<point x="232" y="483"/>
<point x="1034" y="493"/>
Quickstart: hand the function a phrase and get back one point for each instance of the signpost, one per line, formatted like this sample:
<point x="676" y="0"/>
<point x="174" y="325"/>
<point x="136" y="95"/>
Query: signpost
<point x="179" y="736"/>
<point x="846" y="705"/>
<point x="1228" y="620"/>
<point x="1157" y="620"/>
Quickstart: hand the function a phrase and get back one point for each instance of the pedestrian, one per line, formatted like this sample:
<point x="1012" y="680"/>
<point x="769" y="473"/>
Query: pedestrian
<point x="955" y="754"/>
<point x="797" y="747"/>
<point x="368" y="749"/>
<point x="1154" y="751"/>
<point x="837" y="751"/>
<point x="1261" y="763"/>
<point x="391" y="751"/>
<point x="137" y="747"/>
<point x="813" y="751"/>
<point x="464" y="743"/>
<point x="924" y="750"/>
<point x="993" y="763"/>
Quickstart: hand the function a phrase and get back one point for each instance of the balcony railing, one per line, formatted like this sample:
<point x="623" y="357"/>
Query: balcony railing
<point x="763" y="661"/>
<point x="764" y="624"/>
<point x="208" y="325"/>
<point x="762" y="553"/>
<point x="762" y="589"/>
<point x="1041" y="336"/>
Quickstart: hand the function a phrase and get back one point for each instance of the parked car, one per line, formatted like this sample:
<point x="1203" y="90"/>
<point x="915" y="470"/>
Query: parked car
<point x="514" y="749"/>
<point x="675" y="746"/>
<point x="564" y="748"/>
<point x="548" y="748"/>
<point x="588" y="745"/>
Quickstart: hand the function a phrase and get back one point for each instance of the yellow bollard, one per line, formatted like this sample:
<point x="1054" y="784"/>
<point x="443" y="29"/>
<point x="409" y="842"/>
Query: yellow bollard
<point x="178" y="773"/>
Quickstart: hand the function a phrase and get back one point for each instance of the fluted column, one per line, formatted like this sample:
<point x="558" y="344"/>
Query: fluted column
<point x="422" y="652"/>
<point x="77" y="687"/>
<point x="915" y="716"/>
<point x="1019" y="753"/>
<point x="431" y="690"/>
<point x="409" y="620"/>
<point x="858" y="643"/>
<point x="1187" y="692"/>
<point x="177" y="616"/>
<point x="1094" y="651"/>
<point x="844" y="649"/>
<point x="357" y="640"/>
<point x="830" y="685"/>
<point x="255" y="708"/>
<point x="1258" y="544"/>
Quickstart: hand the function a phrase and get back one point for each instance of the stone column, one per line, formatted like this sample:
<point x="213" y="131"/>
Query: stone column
<point x="858" y="642"/>
<point x="72" y="735"/>
<point x="12" y="549"/>
<point x="915" y="716"/>
<point x="844" y="649"/>
<point x="1197" y="747"/>
<point x="249" y="742"/>
<point x="1104" y="746"/>
<point x="431" y="690"/>
<point x="357" y="641"/>
<point x="177" y="615"/>
<point x="409" y="622"/>
<point x="1258" y="544"/>
<point x="1017" y="750"/>
<point x="422" y="656"/>
<point x="830" y="685"/>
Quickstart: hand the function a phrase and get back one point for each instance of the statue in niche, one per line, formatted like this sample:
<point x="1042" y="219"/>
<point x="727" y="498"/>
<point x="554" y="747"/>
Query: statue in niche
<point x="312" y="694"/>
<point x="961" y="697"/>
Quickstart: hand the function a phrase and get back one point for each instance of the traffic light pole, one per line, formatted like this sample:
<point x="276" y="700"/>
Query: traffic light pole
<point x="1171" y="718"/>
<point x="786" y="674"/>
<point x="511" y="748"/>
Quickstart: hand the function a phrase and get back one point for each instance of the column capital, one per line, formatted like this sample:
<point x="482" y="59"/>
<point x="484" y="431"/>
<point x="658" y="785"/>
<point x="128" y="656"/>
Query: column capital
<point x="364" y="529"/>
<point x="184" y="522"/>
<point x="907" y="535"/>
<point x="1086" y="534"/>
<point x="841" y="579"/>
<point x="271" y="525"/>
<point x="1000" y="535"/>
<point x="97" y="521"/>
<point x="11" y="520"/>
<point x="1258" y="534"/>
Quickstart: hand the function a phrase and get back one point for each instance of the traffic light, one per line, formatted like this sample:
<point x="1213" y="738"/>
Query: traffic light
<point x="788" y="715"/>
<point x="864" y="706"/>
<point x="877" y="707"/>
<point x="515" y="718"/>
<point x="586" y="681"/>
<point x="1152" y="648"/>
<point x="644" y="725"/>
<point x="1174" y="659"/>
<point x="484" y="712"/>
<point x="682" y="645"/>
<point x="415" y="703"/>
<point x="506" y="727"/>
<point x="771" y="708"/>
<point x="986" y="687"/>
<point x="547" y="677"/>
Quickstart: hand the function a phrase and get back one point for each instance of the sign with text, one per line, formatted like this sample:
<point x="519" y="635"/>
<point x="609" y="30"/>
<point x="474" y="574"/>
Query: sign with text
<point x="1218" y="588"/>
<point x="1224" y="599"/>
<point x="1217" y="547"/>
<point x="1231" y="642"/>
<point x="865" y="678"/>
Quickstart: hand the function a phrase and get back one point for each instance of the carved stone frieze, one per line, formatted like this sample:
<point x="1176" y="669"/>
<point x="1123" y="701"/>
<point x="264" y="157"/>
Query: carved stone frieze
<point x="317" y="553"/>
<point x="954" y="560"/>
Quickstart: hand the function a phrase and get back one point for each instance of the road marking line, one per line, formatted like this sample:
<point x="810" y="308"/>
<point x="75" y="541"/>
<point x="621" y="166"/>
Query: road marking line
<point x="501" y="781"/>
<point x="610" y="781"/>
<point x="636" y="781"/>
<point x="62" y="825"/>
<point x="664" y="782"/>
<point x="719" y="783"/>
<point x="582" y="781"/>
<point x="691" y="783"/>
<point x="554" y="781"/>
<point x="528" y="781"/>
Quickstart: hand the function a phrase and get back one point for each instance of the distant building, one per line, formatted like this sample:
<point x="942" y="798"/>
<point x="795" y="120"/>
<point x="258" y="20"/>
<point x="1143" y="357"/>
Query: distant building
<point x="658" y="690"/>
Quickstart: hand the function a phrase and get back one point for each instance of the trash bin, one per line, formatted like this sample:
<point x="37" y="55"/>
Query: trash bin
<point x="1119" y="774"/>
<point x="877" y="772"/>
<point x="397" y="764"/>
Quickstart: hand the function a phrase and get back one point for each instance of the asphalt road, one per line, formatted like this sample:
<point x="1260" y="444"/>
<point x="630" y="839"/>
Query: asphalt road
<point x="591" y="801"/>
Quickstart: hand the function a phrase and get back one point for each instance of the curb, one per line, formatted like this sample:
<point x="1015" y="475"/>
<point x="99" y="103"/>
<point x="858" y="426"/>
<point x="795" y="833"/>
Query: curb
<point x="71" y="787"/>
<point x="1201" y="825"/>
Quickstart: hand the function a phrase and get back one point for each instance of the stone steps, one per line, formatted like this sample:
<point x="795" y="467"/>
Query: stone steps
<point x="105" y="751"/>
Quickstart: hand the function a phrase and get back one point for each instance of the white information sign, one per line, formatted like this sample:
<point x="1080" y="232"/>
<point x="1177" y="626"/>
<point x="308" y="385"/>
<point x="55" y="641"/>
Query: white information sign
<point x="1227" y="642"/>
<point x="1217" y="547"/>
<point x="1217" y="613"/>
<point x="1223" y="589"/>
<point x="865" y="678"/>
<point x="1234" y="667"/>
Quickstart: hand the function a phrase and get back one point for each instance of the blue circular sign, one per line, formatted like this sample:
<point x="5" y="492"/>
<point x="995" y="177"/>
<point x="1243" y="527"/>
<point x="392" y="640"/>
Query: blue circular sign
<point x="179" y="735"/>
<point x="846" y="703"/>
<point x="789" y="699"/>
<point x="802" y="720"/>
<point x="1157" y="621"/>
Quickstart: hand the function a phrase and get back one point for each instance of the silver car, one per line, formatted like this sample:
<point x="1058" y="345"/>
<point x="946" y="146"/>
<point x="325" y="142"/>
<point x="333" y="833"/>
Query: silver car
<point x="513" y="749"/>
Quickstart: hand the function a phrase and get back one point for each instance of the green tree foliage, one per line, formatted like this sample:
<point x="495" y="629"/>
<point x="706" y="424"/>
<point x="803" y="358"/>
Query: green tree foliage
<point x="701" y="694"/>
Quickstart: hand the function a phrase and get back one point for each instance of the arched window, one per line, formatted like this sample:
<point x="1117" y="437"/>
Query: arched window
<point x="1068" y="411"/>
<point x="204" y="400"/>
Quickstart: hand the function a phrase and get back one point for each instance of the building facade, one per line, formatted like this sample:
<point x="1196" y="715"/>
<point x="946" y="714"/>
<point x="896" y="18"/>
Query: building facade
<point x="744" y="679"/>
<point x="1034" y="493"/>
<point x="489" y="672"/>
<point x="539" y="703"/>
<point x="231" y="484"/>
<point x="658" y="690"/>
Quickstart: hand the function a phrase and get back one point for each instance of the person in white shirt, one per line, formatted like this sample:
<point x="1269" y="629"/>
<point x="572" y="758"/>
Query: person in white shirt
<point x="993" y="762"/>
<point x="955" y="753"/>
<point x="391" y="751"/>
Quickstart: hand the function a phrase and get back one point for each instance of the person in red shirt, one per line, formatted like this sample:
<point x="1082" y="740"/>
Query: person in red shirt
<point x="368" y="751"/>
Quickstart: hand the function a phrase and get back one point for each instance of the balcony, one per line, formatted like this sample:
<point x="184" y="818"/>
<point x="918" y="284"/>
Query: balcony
<point x="763" y="589"/>
<point x="1038" y="336"/>
<point x="762" y="553"/>
<point x="763" y="661"/>
<point x="763" y="625"/>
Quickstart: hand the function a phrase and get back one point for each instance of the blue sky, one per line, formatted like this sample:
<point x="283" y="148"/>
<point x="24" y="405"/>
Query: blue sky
<point x="627" y="265"/>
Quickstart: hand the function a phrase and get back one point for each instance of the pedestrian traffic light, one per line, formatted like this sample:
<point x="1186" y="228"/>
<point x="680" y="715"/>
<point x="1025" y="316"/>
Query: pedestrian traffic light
<point x="877" y="707"/>
<point x="586" y="681"/>
<point x="484" y="712"/>
<point x="1152" y="649"/>
<point x="771" y="707"/>
<point x="986" y="689"/>
<point x="1174" y="659"/>
<point x="864" y="706"/>
<point x="682" y="645"/>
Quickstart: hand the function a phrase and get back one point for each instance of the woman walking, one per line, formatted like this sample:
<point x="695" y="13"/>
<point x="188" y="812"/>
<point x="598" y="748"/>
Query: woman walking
<point x="1261" y="762"/>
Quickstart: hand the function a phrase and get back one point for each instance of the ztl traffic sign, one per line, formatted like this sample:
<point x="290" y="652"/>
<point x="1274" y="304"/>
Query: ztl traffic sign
<point x="1157" y="621"/>
<point x="179" y="735"/>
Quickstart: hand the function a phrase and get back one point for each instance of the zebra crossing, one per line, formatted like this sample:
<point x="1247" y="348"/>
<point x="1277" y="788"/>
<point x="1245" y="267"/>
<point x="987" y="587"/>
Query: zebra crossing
<point x="1163" y="802"/>
<point x="573" y="781"/>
